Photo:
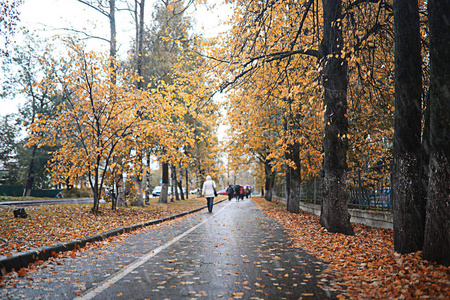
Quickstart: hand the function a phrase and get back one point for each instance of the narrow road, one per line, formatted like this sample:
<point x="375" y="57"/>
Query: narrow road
<point x="236" y="252"/>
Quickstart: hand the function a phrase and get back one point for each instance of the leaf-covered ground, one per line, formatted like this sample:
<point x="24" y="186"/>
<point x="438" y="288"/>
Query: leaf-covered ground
<point x="49" y="224"/>
<point x="365" y="263"/>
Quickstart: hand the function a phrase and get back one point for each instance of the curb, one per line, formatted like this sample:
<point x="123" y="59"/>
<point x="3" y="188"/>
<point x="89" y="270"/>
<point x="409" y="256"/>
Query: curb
<point x="23" y="259"/>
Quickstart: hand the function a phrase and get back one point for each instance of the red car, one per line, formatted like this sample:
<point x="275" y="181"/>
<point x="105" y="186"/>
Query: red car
<point x="222" y="192"/>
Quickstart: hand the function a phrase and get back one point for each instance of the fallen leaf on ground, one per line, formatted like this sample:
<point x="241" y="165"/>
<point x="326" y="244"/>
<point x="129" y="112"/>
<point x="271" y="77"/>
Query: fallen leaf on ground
<point x="363" y="263"/>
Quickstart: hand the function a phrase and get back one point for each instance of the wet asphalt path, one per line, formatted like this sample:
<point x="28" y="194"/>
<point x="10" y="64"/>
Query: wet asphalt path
<point x="236" y="252"/>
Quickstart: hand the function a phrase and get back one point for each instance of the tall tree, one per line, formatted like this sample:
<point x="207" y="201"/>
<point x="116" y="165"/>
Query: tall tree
<point x="93" y="126"/>
<point x="171" y="67"/>
<point x="165" y="39"/>
<point x="334" y="215"/>
<point x="437" y="227"/>
<point x="293" y="169"/>
<point x="108" y="9"/>
<point x="9" y="131"/>
<point x="138" y="15"/>
<point x="26" y="72"/>
<point x="164" y="183"/>
<point x="273" y="44"/>
<point x="408" y="204"/>
<point x="254" y="129"/>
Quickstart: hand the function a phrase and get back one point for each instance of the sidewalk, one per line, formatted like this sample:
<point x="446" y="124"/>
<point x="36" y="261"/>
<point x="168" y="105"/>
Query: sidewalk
<point x="23" y="259"/>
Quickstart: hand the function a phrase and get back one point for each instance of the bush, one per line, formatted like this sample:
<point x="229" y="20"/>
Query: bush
<point x="83" y="192"/>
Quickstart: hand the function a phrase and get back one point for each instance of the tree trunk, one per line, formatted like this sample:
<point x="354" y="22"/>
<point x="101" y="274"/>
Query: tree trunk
<point x="174" y="185"/>
<point x="121" y="198"/>
<point x="117" y="182"/>
<point x="30" y="175"/>
<point x="95" y="191"/>
<point x="187" y="184"/>
<point x="293" y="179"/>
<point x="437" y="228"/>
<point x="270" y="180"/>
<point x="112" y="40"/>
<point x="165" y="183"/>
<point x="293" y="173"/>
<point x="96" y="197"/>
<point x="288" y="183"/>
<point x="139" y="19"/>
<point x="139" y="201"/>
<point x="334" y="215"/>
<point x="425" y="149"/>
<point x="199" y="187"/>
<point x="148" y="178"/>
<point x="180" y="184"/>
<point x="408" y="206"/>
<point x="115" y="195"/>
<point x="114" y="201"/>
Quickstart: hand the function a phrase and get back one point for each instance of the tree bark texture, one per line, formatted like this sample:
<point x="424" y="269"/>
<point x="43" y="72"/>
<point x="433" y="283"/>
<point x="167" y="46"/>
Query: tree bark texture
<point x="30" y="174"/>
<point x="148" y="177"/>
<point x="437" y="228"/>
<point x="334" y="215"/>
<point x="174" y="185"/>
<point x="139" y="201"/>
<point x="165" y="183"/>
<point x="293" y="179"/>
<point x="425" y="149"/>
<point x="408" y="204"/>
<point x="180" y="183"/>
<point x="96" y="190"/>
<point x="113" y="40"/>
<point x="139" y="16"/>
<point x="187" y="183"/>
<point x="270" y="180"/>
<point x="139" y="185"/>
<point x="121" y="198"/>
<point x="200" y="174"/>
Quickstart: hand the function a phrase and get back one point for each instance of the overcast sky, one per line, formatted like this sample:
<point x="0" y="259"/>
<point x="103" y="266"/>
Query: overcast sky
<point x="48" y="16"/>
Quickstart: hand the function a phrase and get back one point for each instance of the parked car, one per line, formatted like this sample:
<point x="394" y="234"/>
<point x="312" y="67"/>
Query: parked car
<point x="156" y="191"/>
<point x="222" y="192"/>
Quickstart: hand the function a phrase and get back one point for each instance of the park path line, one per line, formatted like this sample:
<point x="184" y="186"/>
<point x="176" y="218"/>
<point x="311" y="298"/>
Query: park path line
<point x="137" y="263"/>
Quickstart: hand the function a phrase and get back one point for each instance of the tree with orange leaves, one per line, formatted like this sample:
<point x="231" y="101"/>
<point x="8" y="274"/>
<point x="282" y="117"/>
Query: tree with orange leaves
<point x="289" y="42"/>
<point x="93" y="124"/>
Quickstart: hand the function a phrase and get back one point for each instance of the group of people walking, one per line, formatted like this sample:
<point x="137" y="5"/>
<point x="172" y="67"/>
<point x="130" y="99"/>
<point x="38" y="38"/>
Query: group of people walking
<point x="233" y="191"/>
<point x="238" y="192"/>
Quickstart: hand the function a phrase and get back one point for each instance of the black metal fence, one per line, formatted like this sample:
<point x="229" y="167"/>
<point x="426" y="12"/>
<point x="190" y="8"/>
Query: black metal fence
<point x="17" y="191"/>
<point x="368" y="188"/>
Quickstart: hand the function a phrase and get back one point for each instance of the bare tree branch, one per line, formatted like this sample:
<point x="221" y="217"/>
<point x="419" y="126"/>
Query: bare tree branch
<point x="87" y="36"/>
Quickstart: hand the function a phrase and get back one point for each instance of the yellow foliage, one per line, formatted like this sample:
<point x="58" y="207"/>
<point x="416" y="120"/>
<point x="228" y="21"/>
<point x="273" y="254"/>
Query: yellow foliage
<point x="274" y="93"/>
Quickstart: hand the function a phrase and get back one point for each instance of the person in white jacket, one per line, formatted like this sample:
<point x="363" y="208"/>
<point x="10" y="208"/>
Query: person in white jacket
<point x="209" y="187"/>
